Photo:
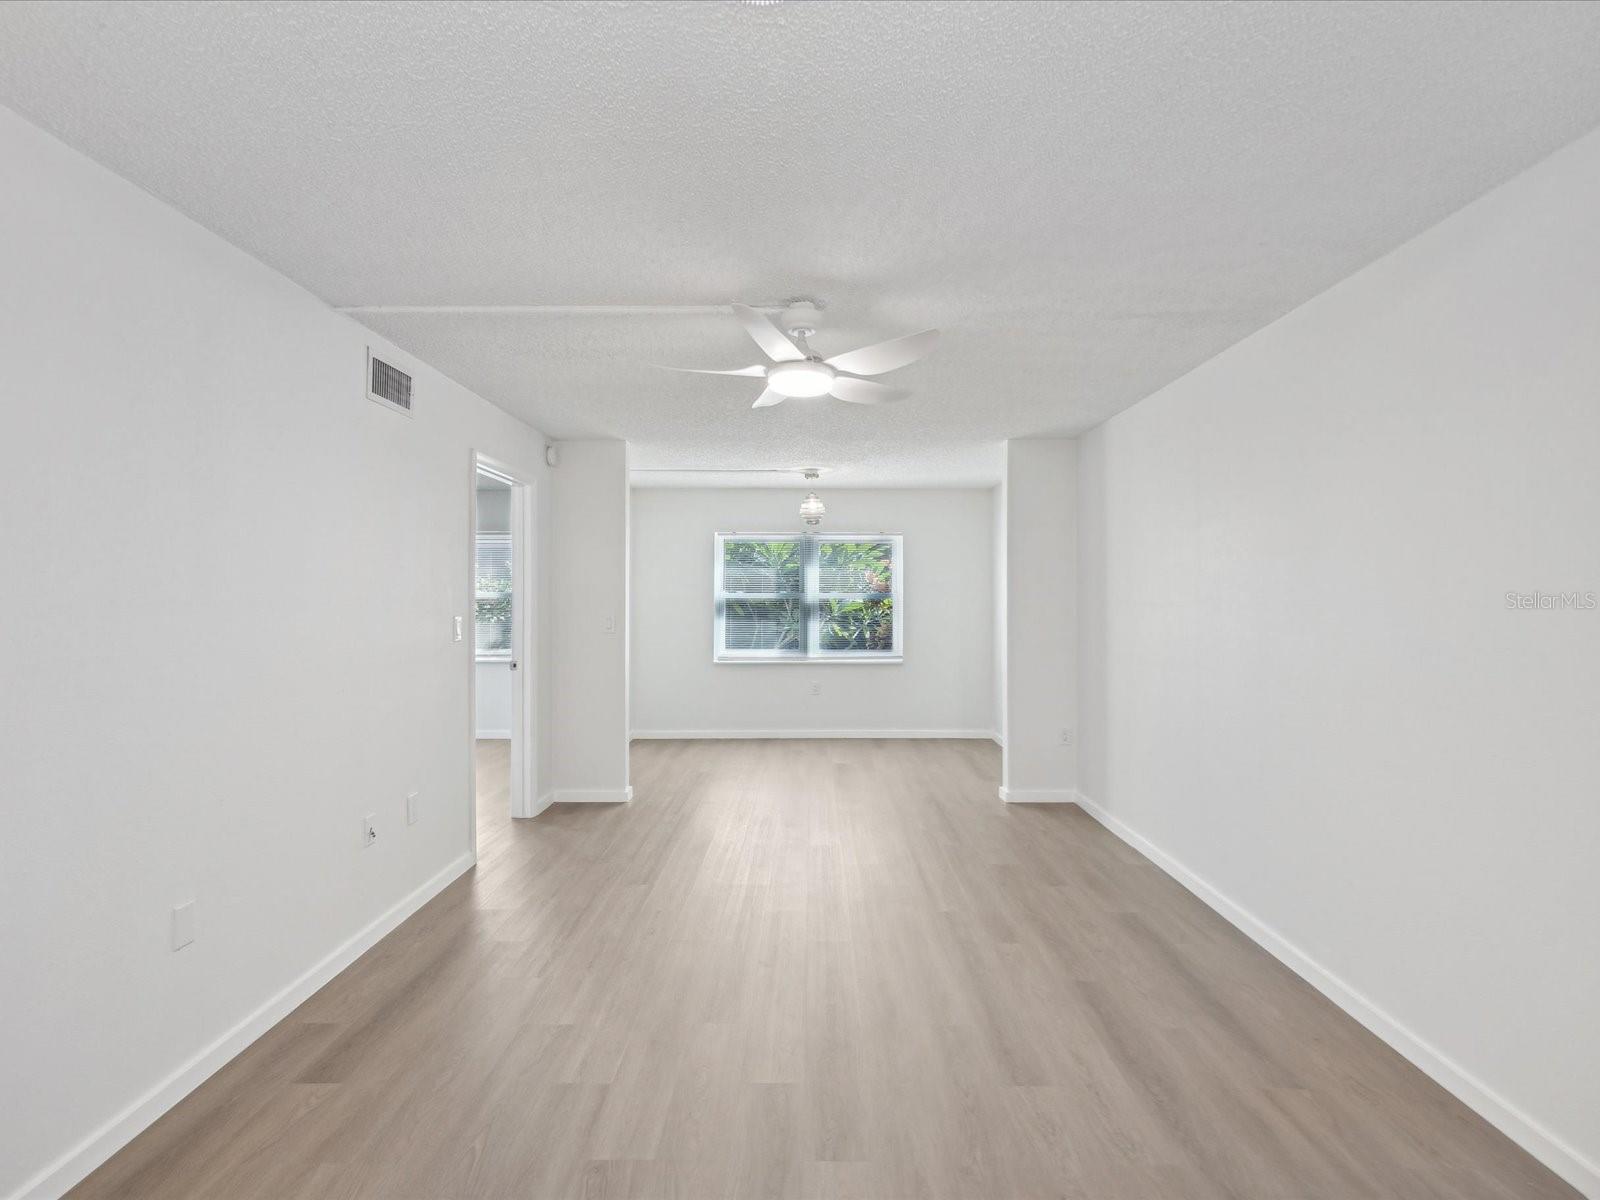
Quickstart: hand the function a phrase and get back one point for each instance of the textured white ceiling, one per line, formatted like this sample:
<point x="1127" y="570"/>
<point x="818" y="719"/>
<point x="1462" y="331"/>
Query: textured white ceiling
<point x="1089" y="199"/>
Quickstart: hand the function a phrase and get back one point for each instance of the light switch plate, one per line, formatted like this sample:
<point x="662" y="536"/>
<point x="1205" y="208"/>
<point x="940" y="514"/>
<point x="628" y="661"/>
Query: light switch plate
<point x="411" y="808"/>
<point x="182" y="925"/>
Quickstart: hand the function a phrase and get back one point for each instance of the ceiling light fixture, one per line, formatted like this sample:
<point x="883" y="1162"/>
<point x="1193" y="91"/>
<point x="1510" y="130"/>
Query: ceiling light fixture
<point x="812" y="510"/>
<point x="794" y="371"/>
<point x="800" y="379"/>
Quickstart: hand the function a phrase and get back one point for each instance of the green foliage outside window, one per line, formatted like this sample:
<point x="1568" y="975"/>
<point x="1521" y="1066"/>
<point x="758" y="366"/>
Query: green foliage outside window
<point x="493" y="617"/>
<point x="855" y="567"/>
<point x="857" y="624"/>
<point x="766" y="606"/>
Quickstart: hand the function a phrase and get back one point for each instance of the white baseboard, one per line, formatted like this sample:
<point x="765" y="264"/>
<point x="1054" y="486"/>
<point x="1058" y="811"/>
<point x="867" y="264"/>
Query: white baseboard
<point x="494" y="735"/>
<point x="55" y="1179"/>
<point x="586" y="796"/>
<point x="1564" y="1160"/>
<point x="1038" y="795"/>
<point x="722" y="734"/>
<point x="539" y="805"/>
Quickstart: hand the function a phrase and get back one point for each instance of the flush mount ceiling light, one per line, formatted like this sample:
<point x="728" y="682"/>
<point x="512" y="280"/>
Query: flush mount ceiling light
<point x="796" y="372"/>
<point x="812" y="510"/>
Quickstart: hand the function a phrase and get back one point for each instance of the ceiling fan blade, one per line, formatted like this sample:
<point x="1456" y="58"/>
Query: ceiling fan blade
<point x="864" y="391"/>
<point x="886" y="356"/>
<point x="774" y="343"/>
<point x="757" y="370"/>
<point x="768" y="398"/>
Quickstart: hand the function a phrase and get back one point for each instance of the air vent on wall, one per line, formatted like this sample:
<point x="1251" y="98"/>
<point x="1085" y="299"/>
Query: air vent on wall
<point x="388" y="384"/>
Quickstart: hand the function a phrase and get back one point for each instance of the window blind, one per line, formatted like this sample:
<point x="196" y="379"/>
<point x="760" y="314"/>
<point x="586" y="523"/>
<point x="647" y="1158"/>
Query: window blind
<point x="493" y="600"/>
<point x="855" y="595"/>
<point x="812" y="596"/>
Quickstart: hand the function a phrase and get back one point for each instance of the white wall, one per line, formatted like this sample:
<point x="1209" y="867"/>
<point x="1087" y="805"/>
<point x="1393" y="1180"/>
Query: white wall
<point x="1040" y="520"/>
<point x="494" y="510"/>
<point x="229" y="583"/>
<point x="1301" y="677"/>
<point x="494" y="707"/>
<point x="944" y="686"/>
<point x="588" y="570"/>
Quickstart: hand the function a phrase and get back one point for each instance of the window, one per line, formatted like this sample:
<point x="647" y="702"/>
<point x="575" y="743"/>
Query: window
<point x="493" y="613"/>
<point x="808" y="597"/>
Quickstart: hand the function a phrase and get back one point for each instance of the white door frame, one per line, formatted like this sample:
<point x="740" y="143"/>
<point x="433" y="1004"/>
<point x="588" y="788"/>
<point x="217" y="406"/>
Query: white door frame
<point x="524" y="642"/>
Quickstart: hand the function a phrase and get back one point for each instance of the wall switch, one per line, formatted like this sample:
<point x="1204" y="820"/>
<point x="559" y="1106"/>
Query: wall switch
<point x="411" y="808"/>
<point x="816" y="688"/>
<point x="369" y="829"/>
<point x="457" y="621"/>
<point x="183" y="925"/>
<point x="609" y="623"/>
<point x="1066" y="737"/>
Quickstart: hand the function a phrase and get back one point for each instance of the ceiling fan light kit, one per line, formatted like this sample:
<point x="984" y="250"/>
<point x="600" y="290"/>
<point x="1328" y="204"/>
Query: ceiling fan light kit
<point x="801" y="380"/>
<point x="796" y="372"/>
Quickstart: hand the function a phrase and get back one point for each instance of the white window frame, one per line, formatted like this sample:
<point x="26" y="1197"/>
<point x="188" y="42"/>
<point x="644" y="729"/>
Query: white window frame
<point x="810" y="601"/>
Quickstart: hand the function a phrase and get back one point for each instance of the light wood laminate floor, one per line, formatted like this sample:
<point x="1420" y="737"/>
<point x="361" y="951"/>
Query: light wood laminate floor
<point x="819" y="969"/>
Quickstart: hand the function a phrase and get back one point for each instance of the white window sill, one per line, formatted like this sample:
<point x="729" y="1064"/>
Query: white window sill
<point x="494" y="658"/>
<point x="832" y="660"/>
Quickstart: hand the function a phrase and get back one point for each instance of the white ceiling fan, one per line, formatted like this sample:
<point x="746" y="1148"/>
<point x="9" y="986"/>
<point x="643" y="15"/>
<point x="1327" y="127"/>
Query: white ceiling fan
<point x="797" y="372"/>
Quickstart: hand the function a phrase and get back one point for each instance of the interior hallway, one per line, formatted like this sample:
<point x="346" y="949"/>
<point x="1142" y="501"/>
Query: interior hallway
<point x="817" y="968"/>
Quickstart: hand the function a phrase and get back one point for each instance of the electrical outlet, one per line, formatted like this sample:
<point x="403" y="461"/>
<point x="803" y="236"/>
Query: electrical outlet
<point x="369" y="829"/>
<point x="182" y="925"/>
<point x="1066" y="737"/>
<point x="411" y="808"/>
<point x="816" y="688"/>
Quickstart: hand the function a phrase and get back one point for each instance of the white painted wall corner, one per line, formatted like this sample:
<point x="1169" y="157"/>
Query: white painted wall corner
<point x="72" y="1167"/>
<point x="1565" y="1160"/>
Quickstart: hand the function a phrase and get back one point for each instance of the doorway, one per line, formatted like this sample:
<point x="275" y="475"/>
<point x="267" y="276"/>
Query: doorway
<point x="501" y="710"/>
